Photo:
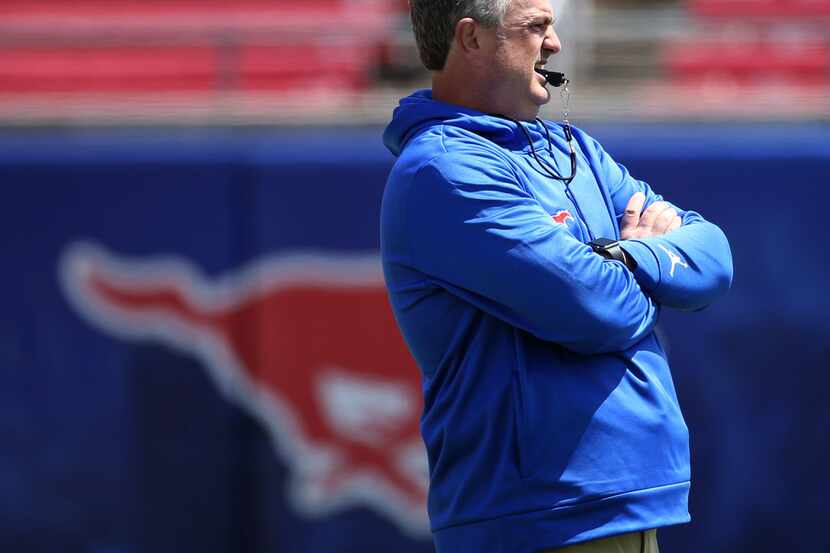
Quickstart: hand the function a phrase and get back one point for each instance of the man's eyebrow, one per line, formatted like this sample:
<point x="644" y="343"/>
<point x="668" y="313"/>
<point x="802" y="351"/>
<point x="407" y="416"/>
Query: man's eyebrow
<point x="547" y="16"/>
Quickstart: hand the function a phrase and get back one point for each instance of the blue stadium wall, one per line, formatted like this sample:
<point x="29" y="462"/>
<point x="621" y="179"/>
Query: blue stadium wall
<point x="123" y="430"/>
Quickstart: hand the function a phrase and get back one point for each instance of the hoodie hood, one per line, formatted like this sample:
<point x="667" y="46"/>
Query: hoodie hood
<point x="419" y="112"/>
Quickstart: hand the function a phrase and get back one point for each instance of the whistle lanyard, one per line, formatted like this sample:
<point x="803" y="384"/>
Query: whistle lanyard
<point x="546" y="168"/>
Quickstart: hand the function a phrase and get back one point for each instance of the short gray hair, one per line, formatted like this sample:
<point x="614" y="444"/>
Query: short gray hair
<point x="434" y="24"/>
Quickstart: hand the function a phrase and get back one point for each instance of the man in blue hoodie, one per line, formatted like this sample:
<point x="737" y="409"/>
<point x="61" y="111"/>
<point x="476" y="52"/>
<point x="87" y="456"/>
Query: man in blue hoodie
<point x="526" y="270"/>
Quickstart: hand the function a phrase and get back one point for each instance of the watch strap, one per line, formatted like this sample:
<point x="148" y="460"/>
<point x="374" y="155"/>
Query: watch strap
<point x="611" y="249"/>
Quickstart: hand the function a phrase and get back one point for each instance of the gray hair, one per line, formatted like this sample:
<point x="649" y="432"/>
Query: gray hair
<point x="434" y="24"/>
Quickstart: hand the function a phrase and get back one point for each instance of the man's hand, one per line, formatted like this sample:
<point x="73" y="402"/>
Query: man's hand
<point x="660" y="218"/>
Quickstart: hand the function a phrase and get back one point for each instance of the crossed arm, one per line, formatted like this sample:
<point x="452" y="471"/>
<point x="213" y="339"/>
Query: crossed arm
<point x="471" y="230"/>
<point x="682" y="260"/>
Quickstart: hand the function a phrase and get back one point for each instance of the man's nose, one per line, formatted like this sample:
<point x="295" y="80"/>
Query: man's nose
<point x="551" y="41"/>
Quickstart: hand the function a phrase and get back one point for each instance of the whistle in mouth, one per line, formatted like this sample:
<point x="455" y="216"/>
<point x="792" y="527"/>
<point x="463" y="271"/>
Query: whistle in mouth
<point x="553" y="78"/>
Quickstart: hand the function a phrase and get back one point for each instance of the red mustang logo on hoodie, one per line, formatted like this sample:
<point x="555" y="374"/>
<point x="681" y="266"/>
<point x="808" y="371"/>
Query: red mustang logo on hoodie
<point x="562" y="216"/>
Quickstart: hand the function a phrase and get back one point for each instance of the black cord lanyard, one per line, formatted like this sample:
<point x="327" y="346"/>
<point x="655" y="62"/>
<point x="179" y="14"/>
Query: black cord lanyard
<point x="555" y="79"/>
<point x="547" y="169"/>
<point x="550" y="171"/>
<point x="558" y="79"/>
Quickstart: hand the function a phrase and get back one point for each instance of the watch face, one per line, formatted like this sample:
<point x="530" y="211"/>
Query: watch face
<point x="603" y="242"/>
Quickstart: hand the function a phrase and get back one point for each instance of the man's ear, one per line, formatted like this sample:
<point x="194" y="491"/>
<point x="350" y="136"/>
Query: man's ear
<point x="467" y="35"/>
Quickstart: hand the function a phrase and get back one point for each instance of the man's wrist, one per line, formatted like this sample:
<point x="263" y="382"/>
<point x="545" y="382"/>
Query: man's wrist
<point x="611" y="249"/>
<point x="629" y="260"/>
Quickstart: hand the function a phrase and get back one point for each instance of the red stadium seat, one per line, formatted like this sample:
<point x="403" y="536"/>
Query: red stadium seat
<point x="110" y="69"/>
<point x="787" y="9"/>
<point x="190" y="45"/>
<point x="309" y="65"/>
<point x="200" y="16"/>
<point x="750" y="62"/>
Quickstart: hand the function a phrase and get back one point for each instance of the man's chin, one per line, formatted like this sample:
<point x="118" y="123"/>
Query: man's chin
<point x="541" y="96"/>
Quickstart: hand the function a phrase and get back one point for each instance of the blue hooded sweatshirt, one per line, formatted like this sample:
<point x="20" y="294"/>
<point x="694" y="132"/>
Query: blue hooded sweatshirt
<point x="550" y="415"/>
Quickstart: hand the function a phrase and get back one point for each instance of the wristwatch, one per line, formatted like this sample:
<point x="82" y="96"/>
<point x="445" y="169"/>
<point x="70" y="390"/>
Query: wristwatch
<point x="610" y="249"/>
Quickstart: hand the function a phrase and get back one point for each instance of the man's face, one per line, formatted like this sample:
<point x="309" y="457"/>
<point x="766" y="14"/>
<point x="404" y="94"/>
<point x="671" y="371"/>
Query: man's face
<point x="523" y="42"/>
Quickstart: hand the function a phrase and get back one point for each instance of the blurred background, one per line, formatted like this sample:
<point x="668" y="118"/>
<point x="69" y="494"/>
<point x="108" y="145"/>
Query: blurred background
<point x="195" y="345"/>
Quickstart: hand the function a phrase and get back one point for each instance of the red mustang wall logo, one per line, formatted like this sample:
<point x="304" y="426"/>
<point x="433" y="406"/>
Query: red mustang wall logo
<point x="306" y="343"/>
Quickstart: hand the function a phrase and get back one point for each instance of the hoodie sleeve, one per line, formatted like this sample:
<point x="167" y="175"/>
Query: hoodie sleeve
<point x="686" y="269"/>
<point x="479" y="234"/>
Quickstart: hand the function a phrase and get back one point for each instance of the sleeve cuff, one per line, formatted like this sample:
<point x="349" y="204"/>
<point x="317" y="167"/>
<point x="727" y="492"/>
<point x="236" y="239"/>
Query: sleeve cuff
<point x="647" y="272"/>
